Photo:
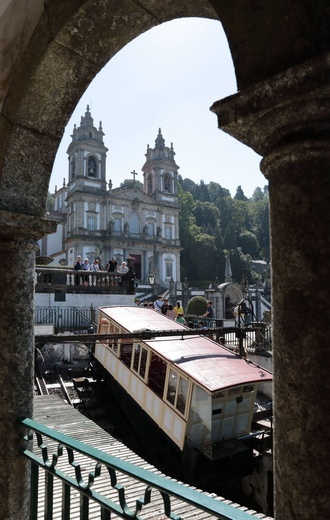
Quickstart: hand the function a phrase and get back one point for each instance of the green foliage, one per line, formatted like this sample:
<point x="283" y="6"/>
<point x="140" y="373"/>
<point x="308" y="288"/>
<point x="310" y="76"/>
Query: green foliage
<point x="129" y="183"/>
<point x="50" y="202"/>
<point x="211" y="221"/>
<point x="196" y="306"/>
<point x="207" y="215"/>
<point x="240" y="194"/>
<point x="248" y="242"/>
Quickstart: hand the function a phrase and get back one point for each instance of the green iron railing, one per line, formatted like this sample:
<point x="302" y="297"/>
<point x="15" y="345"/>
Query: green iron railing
<point x="111" y="485"/>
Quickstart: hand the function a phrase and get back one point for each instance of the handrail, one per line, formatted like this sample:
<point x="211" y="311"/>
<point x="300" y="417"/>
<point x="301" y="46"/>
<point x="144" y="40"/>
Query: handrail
<point x="166" y="487"/>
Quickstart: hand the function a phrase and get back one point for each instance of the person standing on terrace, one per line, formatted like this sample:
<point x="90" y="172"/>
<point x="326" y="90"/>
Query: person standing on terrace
<point x="95" y="265"/>
<point x="209" y="311"/>
<point x="178" y="309"/>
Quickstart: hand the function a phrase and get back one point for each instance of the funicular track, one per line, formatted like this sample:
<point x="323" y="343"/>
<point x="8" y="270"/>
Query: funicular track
<point x="78" y="384"/>
<point x="39" y="381"/>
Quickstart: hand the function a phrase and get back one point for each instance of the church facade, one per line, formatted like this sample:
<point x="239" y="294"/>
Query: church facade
<point x="100" y="221"/>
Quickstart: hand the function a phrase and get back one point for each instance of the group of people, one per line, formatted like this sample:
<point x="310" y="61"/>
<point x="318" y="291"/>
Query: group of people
<point x="112" y="265"/>
<point x="163" y="306"/>
<point x="85" y="265"/>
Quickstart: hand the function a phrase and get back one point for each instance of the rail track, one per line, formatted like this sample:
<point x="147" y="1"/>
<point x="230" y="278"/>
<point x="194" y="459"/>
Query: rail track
<point x="58" y="378"/>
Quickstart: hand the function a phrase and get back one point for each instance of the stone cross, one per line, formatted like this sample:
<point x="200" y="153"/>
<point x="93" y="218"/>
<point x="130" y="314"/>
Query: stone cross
<point x="134" y="175"/>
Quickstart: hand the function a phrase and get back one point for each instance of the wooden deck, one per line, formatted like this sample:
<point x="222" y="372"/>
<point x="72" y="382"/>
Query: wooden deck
<point x="55" y="413"/>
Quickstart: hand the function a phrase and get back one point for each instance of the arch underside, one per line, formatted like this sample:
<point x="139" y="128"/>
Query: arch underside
<point x="64" y="45"/>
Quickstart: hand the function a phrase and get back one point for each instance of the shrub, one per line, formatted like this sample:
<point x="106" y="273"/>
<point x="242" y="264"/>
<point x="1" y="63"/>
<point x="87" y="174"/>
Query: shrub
<point x="196" y="305"/>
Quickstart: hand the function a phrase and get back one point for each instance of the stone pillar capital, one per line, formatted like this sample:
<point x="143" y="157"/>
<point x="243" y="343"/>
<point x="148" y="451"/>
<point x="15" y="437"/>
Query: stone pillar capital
<point x="287" y="108"/>
<point x="21" y="227"/>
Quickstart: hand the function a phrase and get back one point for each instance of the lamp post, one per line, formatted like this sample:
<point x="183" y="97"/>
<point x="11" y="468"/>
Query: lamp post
<point x="151" y="279"/>
<point x="171" y="284"/>
<point x="185" y="286"/>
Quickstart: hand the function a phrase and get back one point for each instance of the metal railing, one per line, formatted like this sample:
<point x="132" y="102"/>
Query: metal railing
<point x="256" y="336"/>
<point x="65" y="318"/>
<point x="92" y="480"/>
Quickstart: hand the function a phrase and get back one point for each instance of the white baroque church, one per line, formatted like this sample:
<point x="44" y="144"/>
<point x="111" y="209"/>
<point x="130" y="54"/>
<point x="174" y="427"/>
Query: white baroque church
<point x="99" y="221"/>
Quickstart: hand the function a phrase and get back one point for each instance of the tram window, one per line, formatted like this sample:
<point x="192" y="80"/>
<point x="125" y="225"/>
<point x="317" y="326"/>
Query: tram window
<point x="126" y="351"/>
<point x="182" y="395"/>
<point x="235" y="391"/>
<point x="171" y="389"/>
<point x="177" y="391"/>
<point x="114" y="344"/>
<point x="137" y="348"/>
<point x="104" y="326"/>
<point x="143" y="362"/>
<point x="248" y="388"/>
<point x="140" y="360"/>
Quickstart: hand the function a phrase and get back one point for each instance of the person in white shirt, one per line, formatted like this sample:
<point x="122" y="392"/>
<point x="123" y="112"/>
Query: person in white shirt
<point x="158" y="304"/>
<point x="95" y="265"/>
<point x="122" y="268"/>
<point x="86" y="267"/>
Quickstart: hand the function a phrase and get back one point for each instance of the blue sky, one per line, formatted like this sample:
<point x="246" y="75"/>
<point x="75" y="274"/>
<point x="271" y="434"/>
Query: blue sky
<point x="167" y="78"/>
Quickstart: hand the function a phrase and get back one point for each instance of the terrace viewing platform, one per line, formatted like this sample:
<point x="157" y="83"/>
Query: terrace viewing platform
<point x="51" y="279"/>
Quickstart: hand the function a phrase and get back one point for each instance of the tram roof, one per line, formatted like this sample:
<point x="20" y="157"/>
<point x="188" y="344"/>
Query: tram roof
<point x="205" y="361"/>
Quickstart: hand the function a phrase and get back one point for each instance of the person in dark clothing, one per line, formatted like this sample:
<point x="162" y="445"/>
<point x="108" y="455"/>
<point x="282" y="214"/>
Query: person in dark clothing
<point x="165" y="306"/>
<point x="209" y="311"/>
<point x="129" y="280"/>
<point x="112" y="265"/>
<point x="77" y="267"/>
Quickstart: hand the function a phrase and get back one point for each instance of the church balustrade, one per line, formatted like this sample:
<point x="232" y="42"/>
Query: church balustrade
<point x="49" y="279"/>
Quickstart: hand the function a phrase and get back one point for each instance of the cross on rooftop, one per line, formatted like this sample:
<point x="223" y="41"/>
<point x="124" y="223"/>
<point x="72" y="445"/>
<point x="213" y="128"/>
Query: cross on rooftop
<point x="134" y="173"/>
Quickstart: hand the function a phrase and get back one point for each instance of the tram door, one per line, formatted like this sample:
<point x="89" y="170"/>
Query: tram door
<point x="232" y="413"/>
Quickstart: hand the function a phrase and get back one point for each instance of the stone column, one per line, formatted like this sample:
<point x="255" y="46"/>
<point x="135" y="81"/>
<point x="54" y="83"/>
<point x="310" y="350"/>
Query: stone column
<point x="287" y="120"/>
<point x="18" y="235"/>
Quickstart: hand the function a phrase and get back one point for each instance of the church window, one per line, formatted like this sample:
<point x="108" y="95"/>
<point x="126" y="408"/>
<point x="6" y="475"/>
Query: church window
<point x="167" y="182"/>
<point x="91" y="223"/>
<point x="169" y="268"/>
<point x="151" y="229"/>
<point x="118" y="225"/>
<point x="91" y="167"/>
<point x="168" y="232"/>
<point x="134" y="223"/>
<point x="73" y="169"/>
<point x="149" y="183"/>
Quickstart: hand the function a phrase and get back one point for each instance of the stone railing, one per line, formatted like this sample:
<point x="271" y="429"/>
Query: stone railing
<point x="67" y="280"/>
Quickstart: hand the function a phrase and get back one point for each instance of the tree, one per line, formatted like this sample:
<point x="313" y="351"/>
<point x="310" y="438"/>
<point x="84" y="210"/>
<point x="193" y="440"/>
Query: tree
<point x="50" y="202"/>
<point x="259" y="212"/>
<point x="129" y="183"/>
<point x="203" y="192"/>
<point x="240" y="194"/>
<point x="258" y="194"/>
<point x="229" y="240"/>
<point x="190" y="186"/>
<point x="203" y="255"/>
<point x="207" y="215"/>
<point x="248" y="242"/>
<point x="240" y="215"/>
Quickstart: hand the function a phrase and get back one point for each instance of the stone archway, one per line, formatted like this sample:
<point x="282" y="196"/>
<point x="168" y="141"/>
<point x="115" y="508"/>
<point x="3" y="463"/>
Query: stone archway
<point x="50" y="52"/>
